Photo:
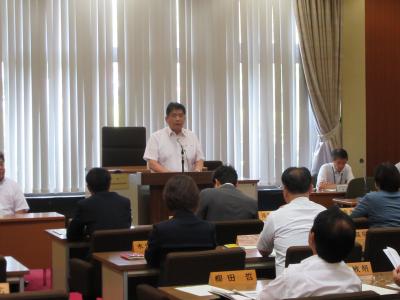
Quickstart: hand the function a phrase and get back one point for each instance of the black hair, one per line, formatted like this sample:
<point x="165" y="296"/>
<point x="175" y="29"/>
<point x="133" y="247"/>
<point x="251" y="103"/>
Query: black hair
<point x="225" y="174"/>
<point x="1" y="156"/>
<point x="339" y="153"/>
<point x="98" y="180"/>
<point x="181" y="193"/>
<point x="387" y="177"/>
<point x="175" y="106"/>
<point x="297" y="180"/>
<point x="334" y="235"/>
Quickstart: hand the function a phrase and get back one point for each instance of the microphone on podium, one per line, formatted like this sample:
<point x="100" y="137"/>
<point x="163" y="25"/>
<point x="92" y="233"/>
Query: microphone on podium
<point x="182" y="155"/>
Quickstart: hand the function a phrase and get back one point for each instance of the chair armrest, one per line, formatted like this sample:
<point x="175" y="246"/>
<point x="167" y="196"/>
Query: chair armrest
<point x="80" y="277"/>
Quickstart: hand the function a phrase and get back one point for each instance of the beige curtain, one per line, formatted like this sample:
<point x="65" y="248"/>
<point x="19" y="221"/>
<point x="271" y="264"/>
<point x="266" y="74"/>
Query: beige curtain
<point x="319" y="27"/>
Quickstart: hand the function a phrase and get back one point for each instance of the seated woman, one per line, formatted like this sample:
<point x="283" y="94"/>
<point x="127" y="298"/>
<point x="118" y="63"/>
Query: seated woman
<point x="184" y="231"/>
<point x="382" y="208"/>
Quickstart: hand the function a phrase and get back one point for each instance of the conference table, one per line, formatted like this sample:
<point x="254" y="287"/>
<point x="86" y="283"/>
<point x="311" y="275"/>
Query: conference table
<point x="15" y="272"/>
<point x="116" y="270"/>
<point x="380" y="280"/>
<point x="326" y="198"/>
<point x="23" y="237"/>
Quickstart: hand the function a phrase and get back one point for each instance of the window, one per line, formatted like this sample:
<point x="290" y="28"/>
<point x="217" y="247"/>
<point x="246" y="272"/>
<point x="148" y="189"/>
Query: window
<point x="71" y="67"/>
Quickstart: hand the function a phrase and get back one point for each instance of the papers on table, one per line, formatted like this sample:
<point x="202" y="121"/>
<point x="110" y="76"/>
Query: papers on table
<point x="61" y="231"/>
<point x="378" y="290"/>
<point x="197" y="290"/>
<point x="393" y="256"/>
<point x="393" y="286"/>
<point x="208" y="290"/>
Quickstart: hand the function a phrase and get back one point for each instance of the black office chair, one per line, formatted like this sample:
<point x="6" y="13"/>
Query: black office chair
<point x="123" y="146"/>
<point x="356" y="188"/>
<point x="211" y="165"/>
<point x="370" y="183"/>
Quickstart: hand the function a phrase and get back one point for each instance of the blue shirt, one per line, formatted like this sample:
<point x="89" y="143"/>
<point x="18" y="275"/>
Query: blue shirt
<point x="381" y="208"/>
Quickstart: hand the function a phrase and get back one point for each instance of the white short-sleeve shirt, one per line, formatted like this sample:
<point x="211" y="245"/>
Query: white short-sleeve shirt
<point x="398" y="166"/>
<point x="328" y="173"/>
<point x="164" y="147"/>
<point x="11" y="197"/>
<point x="288" y="226"/>
<point x="312" y="277"/>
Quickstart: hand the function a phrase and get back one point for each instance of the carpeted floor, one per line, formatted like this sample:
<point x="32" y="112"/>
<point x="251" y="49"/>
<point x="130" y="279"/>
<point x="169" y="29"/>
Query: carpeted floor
<point x="36" y="283"/>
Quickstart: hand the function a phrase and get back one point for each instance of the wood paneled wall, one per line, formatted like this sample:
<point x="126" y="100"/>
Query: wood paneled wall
<point x="382" y="50"/>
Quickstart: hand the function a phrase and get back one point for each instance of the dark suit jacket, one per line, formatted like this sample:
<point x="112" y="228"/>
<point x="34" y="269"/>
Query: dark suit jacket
<point x="104" y="210"/>
<point x="183" y="232"/>
<point x="226" y="203"/>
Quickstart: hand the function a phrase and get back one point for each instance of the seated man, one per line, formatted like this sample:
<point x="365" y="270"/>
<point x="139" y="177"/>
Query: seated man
<point x="382" y="208"/>
<point x="290" y="224"/>
<point x="331" y="239"/>
<point x="336" y="172"/>
<point x="12" y="200"/>
<point x="184" y="231"/>
<point x="225" y="202"/>
<point x="102" y="210"/>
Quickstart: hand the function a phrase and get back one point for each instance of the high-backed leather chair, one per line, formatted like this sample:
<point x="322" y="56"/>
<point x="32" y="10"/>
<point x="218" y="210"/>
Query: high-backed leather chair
<point x="147" y="292"/>
<point x="123" y="146"/>
<point x="376" y="240"/>
<point x="85" y="275"/>
<point x="211" y="165"/>
<point x="296" y="254"/>
<point x="37" y="295"/>
<point x="356" y="188"/>
<point x="227" y="231"/>
<point x="367" y="295"/>
<point x="201" y="263"/>
<point x="370" y="183"/>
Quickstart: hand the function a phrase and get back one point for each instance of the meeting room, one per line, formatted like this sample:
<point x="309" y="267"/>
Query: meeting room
<point x="199" y="149"/>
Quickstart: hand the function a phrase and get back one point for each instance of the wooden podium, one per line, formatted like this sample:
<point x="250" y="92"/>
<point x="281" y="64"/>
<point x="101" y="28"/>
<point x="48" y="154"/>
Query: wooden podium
<point x="156" y="181"/>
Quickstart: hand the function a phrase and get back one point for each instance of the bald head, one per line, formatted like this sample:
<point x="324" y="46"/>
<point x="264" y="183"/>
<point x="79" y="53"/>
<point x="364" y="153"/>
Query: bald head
<point x="296" y="180"/>
<point x="334" y="235"/>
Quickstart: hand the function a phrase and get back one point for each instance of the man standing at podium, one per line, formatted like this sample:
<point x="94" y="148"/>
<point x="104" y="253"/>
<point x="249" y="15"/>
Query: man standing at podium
<point x="173" y="148"/>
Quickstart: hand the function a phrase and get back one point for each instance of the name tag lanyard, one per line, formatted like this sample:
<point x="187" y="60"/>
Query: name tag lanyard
<point x="334" y="177"/>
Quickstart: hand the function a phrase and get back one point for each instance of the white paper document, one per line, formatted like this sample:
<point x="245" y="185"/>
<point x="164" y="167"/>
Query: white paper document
<point x="197" y="290"/>
<point x="393" y="256"/>
<point x="393" y="286"/>
<point x="377" y="289"/>
<point x="208" y="290"/>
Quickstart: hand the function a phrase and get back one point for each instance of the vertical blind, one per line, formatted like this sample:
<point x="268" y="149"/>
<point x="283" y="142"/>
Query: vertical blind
<point x="69" y="67"/>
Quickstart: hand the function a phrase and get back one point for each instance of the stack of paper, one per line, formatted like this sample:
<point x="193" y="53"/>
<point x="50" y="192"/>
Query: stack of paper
<point x="208" y="290"/>
<point x="393" y="256"/>
<point x="377" y="289"/>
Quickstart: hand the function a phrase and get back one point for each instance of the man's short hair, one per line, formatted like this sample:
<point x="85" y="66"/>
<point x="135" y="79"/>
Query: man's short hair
<point x="226" y="174"/>
<point x="339" y="153"/>
<point x="98" y="180"/>
<point x="334" y="235"/>
<point x="387" y="177"/>
<point x="1" y="156"/>
<point x="175" y="106"/>
<point x="181" y="193"/>
<point x="297" y="180"/>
